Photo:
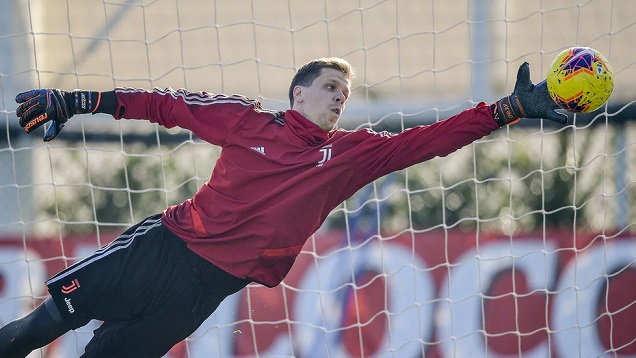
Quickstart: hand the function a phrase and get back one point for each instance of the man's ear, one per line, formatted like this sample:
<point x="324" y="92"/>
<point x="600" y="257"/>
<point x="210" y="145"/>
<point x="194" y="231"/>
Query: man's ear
<point x="298" y="94"/>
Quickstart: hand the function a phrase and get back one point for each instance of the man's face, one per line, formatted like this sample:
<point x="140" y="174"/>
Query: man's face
<point x="324" y="100"/>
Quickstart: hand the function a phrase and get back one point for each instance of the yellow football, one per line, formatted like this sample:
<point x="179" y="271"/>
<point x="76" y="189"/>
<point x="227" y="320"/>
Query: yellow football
<point x="580" y="79"/>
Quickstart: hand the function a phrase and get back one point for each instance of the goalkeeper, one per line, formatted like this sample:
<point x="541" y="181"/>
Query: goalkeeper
<point x="279" y="175"/>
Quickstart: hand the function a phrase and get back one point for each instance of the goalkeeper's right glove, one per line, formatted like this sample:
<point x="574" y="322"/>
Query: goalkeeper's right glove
<point x="526" y="101"/>
<point x="51" y="105"/>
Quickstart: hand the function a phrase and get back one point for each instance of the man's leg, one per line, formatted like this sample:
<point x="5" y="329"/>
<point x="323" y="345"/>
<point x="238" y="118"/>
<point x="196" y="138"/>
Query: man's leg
<point x="35" y="330"/>
<point x="184" y="293"/>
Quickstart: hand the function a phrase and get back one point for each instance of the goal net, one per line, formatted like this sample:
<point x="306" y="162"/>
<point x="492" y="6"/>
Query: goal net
<point x="520" y="244"/>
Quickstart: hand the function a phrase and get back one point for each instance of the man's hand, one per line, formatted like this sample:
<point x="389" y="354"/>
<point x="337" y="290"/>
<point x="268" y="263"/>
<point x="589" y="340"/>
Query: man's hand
<point x="43" y="105"/>
<point x="526" y="101"/>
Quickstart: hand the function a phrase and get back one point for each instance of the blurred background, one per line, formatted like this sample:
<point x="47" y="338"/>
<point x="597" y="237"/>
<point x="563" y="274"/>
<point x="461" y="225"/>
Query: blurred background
<point x="417" y="62"/>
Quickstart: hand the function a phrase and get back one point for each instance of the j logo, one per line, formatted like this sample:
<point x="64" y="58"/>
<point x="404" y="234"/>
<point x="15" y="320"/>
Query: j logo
<point x="70" y="288"/>
<point x="326" y="155"/>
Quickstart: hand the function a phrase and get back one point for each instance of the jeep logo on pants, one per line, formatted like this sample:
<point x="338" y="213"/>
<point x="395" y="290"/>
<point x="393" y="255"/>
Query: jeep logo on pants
<point x="69" y="305"/>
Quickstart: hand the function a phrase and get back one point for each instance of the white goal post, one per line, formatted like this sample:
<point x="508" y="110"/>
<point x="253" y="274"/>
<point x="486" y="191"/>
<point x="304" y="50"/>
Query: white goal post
<point x="521" y="244"/>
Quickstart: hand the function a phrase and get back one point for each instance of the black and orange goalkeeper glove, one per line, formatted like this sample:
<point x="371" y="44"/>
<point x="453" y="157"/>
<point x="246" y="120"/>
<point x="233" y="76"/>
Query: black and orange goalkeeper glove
<point x="526" y="101"/>
<point x="40" y="106"/>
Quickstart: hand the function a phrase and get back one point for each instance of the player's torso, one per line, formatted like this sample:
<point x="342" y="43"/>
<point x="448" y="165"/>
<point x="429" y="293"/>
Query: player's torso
<point x="264" y="156"/>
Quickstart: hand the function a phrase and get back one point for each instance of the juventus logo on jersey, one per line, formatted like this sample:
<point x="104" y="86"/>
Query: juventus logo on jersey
<point x="326" y="155"/>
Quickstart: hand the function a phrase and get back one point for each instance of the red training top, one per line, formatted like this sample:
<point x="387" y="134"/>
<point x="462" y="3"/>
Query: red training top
<point x="279" y="175"/>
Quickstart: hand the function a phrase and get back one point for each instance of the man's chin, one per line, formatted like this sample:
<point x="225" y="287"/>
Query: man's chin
<point x="332" y="125"/>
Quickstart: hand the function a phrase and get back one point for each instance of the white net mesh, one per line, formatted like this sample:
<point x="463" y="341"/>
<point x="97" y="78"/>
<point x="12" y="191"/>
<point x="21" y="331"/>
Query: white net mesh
<point x="520" y="244"/>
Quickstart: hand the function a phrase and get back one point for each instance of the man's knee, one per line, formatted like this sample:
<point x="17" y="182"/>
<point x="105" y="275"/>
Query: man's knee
<point x="46" y="322"/>
<point x="35" y="330"/>
<point x="15" y="338"/>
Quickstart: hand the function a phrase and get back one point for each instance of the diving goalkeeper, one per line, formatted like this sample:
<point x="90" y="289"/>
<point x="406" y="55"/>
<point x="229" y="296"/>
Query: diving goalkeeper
<point x="279" y="175"/>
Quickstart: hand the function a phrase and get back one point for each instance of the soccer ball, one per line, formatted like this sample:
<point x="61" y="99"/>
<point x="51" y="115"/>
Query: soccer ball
<point x="580" y="79"/>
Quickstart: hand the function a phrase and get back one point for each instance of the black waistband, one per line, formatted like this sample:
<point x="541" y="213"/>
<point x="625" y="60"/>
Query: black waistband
<point x="207" y="271"/>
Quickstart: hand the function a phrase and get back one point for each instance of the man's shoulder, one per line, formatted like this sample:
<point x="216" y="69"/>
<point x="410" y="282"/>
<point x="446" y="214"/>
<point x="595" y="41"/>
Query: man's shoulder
<point x="360" y="133"/>
<point x="277" y="116"/>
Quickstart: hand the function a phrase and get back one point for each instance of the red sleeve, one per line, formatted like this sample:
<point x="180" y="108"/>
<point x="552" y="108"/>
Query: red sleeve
<point x="381" y="153"/>
<point x="209" y="116"/>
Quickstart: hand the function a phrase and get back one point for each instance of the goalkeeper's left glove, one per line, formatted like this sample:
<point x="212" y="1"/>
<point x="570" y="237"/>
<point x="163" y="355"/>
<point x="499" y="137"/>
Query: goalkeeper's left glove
<point x="526" y="101"/>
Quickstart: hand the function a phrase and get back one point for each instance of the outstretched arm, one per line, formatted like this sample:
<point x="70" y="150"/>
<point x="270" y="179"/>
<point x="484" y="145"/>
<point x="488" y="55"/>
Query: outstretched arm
<point x="383" y="154"/>
<point x="209" y="116"/>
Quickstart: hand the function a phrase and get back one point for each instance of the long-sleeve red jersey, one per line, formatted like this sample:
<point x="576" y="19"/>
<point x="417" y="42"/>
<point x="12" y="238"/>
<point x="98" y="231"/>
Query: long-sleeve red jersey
<point x="279" y="175"/>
